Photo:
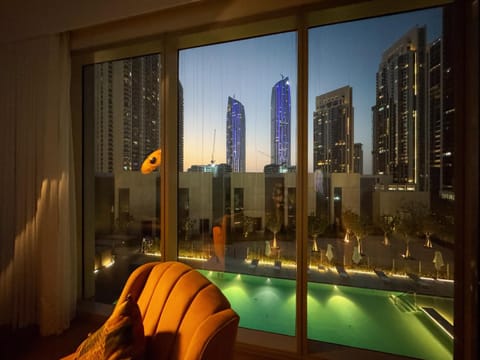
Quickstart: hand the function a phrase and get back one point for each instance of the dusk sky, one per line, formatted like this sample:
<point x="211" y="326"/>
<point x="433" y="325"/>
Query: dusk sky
<point x="339" y="55"/>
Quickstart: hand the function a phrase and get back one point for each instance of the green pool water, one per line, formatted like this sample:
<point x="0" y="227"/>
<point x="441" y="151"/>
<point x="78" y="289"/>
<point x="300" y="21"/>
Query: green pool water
<point x="364" y="318"/>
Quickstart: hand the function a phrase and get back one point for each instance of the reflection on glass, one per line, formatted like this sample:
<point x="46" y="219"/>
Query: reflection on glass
<point x="122" y="114"/>
<point x="237" y="177"/>
<point x="380" y="184"/>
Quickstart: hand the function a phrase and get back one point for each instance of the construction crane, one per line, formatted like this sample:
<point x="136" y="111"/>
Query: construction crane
<point x="266" y="155"/>
<point x="212" y="161"/>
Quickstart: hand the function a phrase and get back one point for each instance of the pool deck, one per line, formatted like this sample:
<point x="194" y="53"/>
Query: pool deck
<point x="330" y="275"/>
<point x="380" y="267"/>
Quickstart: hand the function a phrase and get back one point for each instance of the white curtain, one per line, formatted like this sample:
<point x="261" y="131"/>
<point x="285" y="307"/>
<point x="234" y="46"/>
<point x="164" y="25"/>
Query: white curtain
<point x="38" y="281"/>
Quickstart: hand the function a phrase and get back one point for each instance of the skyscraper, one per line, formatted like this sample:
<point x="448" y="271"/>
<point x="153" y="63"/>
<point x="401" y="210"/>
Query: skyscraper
<point x="127" y="112"/>
<point x="180" y="135"/>
<point x="448" y="109"/>
<point x="280" y="136"/>
<point x="435" y="113"/>
<point x="358" y="158"/>
<point x="333" y="132"/>
<point x="141" y="110"/>
<point x="235" y="135"/>
<point x="103" y="112"/>
<point x="400" y="126"/>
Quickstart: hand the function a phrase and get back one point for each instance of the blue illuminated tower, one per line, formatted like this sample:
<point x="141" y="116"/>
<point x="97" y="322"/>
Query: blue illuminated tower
<point x="280" y="123"/>
<point x="236" y="135"/>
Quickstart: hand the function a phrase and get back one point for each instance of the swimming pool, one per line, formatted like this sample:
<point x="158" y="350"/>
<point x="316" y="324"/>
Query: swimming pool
<point x="377" y="320"/>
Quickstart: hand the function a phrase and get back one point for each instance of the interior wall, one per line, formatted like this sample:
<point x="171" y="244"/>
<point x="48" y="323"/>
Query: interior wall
<point x="28" y="19"/>
<point x="97" y="23"/>
<point x="202" y="13"/>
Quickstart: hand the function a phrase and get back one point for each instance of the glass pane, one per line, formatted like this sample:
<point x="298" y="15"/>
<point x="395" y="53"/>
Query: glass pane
<point x="380" y="185"/>
<point x="122" y="122"/>
<point x="237" y="174"/>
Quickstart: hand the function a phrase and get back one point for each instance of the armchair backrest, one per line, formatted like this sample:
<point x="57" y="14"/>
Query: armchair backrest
<point x="185" y="316"/>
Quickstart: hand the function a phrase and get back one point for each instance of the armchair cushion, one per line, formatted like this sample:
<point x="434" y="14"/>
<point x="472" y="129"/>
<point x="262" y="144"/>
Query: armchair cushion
<point x="121" y="337"/>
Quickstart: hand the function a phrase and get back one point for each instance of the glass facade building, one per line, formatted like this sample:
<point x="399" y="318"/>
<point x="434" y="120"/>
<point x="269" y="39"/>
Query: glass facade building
<point x="333" y="131"/>
<point x="281" y="119"/>
<point x="141" y="112"/>
<point x="236" y="135"/>
<point x="400" y="143"/>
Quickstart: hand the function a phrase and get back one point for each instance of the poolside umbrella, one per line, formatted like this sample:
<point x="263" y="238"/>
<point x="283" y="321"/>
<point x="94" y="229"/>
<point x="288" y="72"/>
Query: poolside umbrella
<point x="385" y="240"/>
<point x="329" y="253"/>
<point x="356" y="257"/>
<point x="438" y="261"/>
<point x="268" y="250"/>
<point x="151" y="162"/>
<point x="428" y="241"/>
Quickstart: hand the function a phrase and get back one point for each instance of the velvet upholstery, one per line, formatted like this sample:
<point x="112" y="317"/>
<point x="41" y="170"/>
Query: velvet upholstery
<point x="185" y="316"/>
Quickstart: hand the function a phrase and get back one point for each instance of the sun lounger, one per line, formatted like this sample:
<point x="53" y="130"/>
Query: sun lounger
<point x="321" y="267"/>
<point x="417" y="279"/>
<point x="253" y="264"/>
<point x="382" y="275"/>
<point x="413" y="276"/>
<point x="341" y="271"/>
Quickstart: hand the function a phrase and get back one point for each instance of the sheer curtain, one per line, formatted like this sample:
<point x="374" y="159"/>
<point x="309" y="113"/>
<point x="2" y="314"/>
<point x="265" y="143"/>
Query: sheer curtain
<point x="38" y="281"/>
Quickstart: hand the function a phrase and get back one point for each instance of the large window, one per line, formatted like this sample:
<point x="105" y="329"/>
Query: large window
<point x="122" y="128"/>
<point x="309" y="172"/>
<point x="236" y="221"/>
<point x="380" y="160"/>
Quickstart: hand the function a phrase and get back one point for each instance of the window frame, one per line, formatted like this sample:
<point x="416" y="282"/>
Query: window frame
<point x="299" y="19"/>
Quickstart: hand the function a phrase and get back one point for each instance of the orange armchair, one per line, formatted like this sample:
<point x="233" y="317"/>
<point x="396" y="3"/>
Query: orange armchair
<point x="185" y="316"/>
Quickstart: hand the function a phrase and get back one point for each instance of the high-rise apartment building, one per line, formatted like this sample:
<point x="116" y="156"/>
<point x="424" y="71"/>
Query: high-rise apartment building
<point x="235" y="135"/>
<point x="448" y="112"/>
<point x="127" y="112"/>
<point x="333" y="132"/>
<point x="400" y="123"/>
<point x="180" y="115"/>
<point x="435" y="113"/>
<point x="280" y="135"/>
<point x="141" y="110"/>
<point x="103" y="118"/>
<point x="358" y="158"/>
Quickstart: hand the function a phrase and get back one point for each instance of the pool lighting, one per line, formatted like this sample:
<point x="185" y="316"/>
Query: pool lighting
<point x="196" y="258"/>
<point x="210" y="273"/>
<point x="441" y="323"/>
<point x="444" y="280"/>
<point x="269" y="281"/>
<point x="239" y="277"/>
<point x="154" y="253"/>
<point x="104" y="266"/>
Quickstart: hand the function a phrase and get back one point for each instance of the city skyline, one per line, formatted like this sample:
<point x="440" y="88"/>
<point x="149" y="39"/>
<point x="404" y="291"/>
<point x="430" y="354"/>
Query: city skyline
<point x="210" y="74"/>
